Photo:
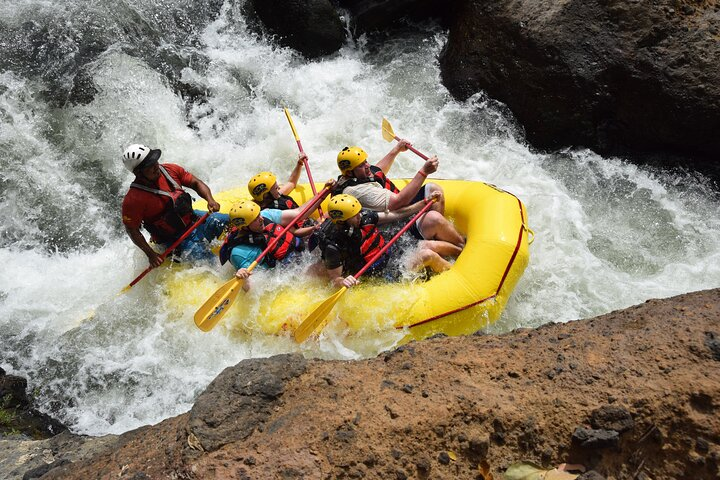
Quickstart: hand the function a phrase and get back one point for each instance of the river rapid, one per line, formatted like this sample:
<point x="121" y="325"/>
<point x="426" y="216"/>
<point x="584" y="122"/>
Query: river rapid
<point x="609" y="234"/>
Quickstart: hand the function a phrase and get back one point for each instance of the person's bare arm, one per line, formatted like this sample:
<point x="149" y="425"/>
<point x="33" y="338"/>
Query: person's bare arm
<point x="289" y="215"/>
<point x="387" y="161"/>
<point x="399" y="200"/>
<point x="139" y="239"/>
<point x="204" y="191"/>
<point x="338" y="280"/>
<point x="290" y="185"/>
<point x="404" y="212"/>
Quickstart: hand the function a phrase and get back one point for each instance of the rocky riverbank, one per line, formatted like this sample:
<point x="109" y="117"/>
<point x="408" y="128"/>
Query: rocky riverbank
<point x="633" y="394"/>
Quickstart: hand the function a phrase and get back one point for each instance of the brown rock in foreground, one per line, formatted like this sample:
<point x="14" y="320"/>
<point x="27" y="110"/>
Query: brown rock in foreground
<point x="631" y="394"/>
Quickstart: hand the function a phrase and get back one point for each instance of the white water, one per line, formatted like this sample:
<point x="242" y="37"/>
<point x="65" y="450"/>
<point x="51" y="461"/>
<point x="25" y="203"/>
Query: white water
<point x="608" y="234"/>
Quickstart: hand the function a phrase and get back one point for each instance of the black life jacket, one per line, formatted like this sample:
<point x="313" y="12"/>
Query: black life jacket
<point x="377" y="176"/>
<point x="176" y="217"/>
<point x="358" y="245"/>
<point x="288" y="243"/>
<point x="283" y="202"/>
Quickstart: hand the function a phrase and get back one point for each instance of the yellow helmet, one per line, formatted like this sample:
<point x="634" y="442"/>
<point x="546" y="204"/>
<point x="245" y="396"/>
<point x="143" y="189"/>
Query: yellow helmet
<point x="343" y="207"/>
<point x="261" y="183"/>
<point x="244" y="213"/>
<point x="350" y="157"/>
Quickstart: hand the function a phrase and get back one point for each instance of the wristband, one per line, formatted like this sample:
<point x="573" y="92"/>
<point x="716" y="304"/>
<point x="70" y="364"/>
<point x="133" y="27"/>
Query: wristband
<point x="422" y="173"/>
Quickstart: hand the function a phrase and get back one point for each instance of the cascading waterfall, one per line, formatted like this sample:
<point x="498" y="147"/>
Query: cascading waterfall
<point x="80" y="81"/>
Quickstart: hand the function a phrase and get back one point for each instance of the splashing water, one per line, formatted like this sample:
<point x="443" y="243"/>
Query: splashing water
<point x="608" y="234"/>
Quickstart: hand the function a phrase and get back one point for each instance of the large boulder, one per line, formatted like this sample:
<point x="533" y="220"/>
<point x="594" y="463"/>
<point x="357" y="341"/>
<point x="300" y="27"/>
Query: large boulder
<point x="370" y="15"/>
<point x="312" y="27"/>
<point x="621" y="77"/>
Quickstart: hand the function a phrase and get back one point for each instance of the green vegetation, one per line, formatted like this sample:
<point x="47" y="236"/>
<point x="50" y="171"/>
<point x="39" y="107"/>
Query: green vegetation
<point x="7" y="418"/>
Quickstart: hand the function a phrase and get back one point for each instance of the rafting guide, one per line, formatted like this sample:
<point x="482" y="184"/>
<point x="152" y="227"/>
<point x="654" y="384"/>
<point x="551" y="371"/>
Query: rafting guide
<point x="157" y="201"/>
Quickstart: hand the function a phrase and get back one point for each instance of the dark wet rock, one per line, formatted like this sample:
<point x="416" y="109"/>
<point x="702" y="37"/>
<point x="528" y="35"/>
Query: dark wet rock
<point x="241" y="399"/>
<point x="18" y="414"/>
<point x="619" y="77"/>
<point x="12" y="391"/>
<point x="312" y="27"/>
<point x="612" y="418"/>
<point x="595" y="438"/>
<point x="60" y="50"/>
<point x="369" y="15"/>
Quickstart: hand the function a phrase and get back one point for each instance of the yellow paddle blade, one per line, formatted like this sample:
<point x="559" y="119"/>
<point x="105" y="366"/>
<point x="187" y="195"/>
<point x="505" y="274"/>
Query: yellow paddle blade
<point x="313" y="321"/>
<point x="216" y="306"/>
<point x="292" y="125"/>
<point x="387" y="130"/>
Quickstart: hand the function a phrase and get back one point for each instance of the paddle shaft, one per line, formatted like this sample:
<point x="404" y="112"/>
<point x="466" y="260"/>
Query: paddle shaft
<point x="210" y="313"/>
<point x="169" y="249"/>
<point x="394" y="239"/>
<point x="413" y="149"/>
<point x="387" y="129"/>
<point x="310" y="206"/>
<point x="300" y="147"/>
<point x="316" y="317"/>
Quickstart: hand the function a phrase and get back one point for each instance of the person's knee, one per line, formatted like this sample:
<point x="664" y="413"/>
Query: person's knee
<point x="425" y="255"/>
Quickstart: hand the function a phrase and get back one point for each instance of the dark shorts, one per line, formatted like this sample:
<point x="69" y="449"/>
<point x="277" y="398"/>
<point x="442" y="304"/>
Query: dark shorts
<point x="414" y="230"/>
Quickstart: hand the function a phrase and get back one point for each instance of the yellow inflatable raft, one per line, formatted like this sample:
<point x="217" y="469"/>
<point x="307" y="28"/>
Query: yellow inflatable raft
<point x="460" y="301"/>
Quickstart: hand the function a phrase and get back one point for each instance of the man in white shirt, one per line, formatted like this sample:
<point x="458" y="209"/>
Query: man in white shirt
<point x="370" y="185"/>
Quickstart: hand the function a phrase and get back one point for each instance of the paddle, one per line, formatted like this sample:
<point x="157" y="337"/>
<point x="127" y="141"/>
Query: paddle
<point x="313" y="321"/>
<point x="217" y="305"/>
<point x="167" y="251"/>
<point x="305" y="162"/>
<point x="389" y="135"/>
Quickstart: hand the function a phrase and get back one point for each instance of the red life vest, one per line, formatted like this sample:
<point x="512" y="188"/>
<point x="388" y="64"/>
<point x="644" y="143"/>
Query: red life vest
<point x="284" y="202"/>
<point x="285" y="245"/>
<point x="371" y="241"/>
<point x="377" y="176"/>
<point x="354" y="246"/>
<point x="177" y="216"/>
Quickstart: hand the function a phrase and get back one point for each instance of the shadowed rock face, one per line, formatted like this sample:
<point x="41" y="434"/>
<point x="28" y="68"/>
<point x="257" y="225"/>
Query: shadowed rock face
<point x="618" y="76"/>
<point x="369" y="15"/>
<point x="631" y="394"/>
<point x="240" y="400"/>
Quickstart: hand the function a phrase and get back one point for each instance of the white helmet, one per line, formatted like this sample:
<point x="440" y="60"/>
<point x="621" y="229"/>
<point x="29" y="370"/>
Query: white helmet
<point x="135" y="155"/>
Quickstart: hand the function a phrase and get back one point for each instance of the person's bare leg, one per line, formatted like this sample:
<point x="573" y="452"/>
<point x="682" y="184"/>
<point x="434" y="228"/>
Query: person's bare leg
<point x="441" y="247"/>
<point x="434" y="226"/>
<point x="424" y="257"/>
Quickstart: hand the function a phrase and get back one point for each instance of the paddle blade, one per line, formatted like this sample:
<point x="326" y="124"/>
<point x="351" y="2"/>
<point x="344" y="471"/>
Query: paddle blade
<point x="216" y="306"/>
<point x="316" y="317"/>
<point x="387" y="130"/>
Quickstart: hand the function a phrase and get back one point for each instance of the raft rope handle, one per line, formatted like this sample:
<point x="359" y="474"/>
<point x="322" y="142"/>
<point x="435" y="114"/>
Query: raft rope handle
<point x="531" y="234"/>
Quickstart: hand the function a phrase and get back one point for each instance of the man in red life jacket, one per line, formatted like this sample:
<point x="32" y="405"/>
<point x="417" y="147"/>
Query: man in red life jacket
<point x="349" y="239"/>
<point x="370" y="185"/>
<point x="157" y="201"/>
